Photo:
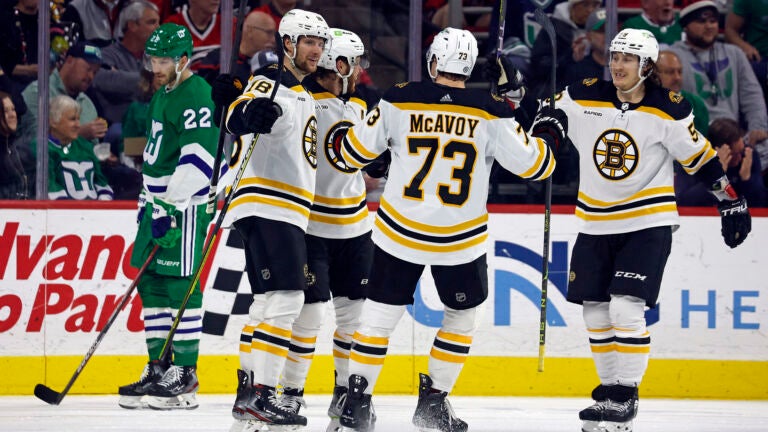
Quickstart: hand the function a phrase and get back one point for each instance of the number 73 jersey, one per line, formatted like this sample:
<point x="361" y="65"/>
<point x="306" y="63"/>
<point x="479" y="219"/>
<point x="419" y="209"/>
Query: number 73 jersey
<point x="443" y="142"/>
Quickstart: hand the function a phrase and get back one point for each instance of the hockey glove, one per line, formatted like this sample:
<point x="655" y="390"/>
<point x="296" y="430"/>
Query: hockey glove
<point x="261" y="114"/>
<point x="165" y="233"/>
<point x="224" y="91"/>
<point x="379" y="167"/>
<point x="551" y="124"/>
<point x="735" y="221"/>
<point x="142" y="208"/>
<point x="509" y="81"/>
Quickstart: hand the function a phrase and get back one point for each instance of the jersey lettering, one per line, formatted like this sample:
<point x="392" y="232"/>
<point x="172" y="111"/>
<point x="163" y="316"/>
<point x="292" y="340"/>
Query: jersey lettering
<point x="693" y="132"/>
<point x="155" y="140"/>
<point x="373" y="116"/>
<point x="462" y="174"/>
<point x="190" y="118"/>
<point x="78" y="179"/>
<point x="443" y="123"/>
<point x="260" y="86"/>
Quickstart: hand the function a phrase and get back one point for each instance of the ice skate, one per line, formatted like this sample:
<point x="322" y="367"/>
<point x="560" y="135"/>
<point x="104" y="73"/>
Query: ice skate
<point x="176" y="390"/>
<point x="131" y="395"/>
<point x="292" y="399"/>
<point x="264" y="409"/>
<point x="621" y="409"/>
<point x="357" y="414"/>
<point x="433" y="411"/>
<point x="243" y="395"/>
<point x="592" y="416"/>
<point x="334" y="410"/>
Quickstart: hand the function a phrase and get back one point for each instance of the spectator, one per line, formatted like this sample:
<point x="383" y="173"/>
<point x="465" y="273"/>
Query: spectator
<point x="720" y="74"/>
<point x="135" y="119"/>
<point x="18" y="42"/>
<point x="569" y="20"/>
<point x="203" y="21"/>
<point x="256" y="47"/>
<point x="592" y="65"/>
<point x="276" y="9"/>
<point x="746" y="26"/>
<point x="9" y="86"/>
<point x="670" y="71"/>
<point x="115" y="85"/>
<point x="742" y="169"/>
<point x="74" y="171"/>
<point x="73" y="78"/>
<point x="659" y="18"/>
<point x="97" y="19"/>
<point x="17" y="166"/>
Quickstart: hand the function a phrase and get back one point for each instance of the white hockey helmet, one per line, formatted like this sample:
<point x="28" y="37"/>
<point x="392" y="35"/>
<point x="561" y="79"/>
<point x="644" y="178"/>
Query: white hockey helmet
<point x="346" y="44"/>
<point x="298" y="22"/>
<point x="454" y="50"/>
<point x="641" y="43"/>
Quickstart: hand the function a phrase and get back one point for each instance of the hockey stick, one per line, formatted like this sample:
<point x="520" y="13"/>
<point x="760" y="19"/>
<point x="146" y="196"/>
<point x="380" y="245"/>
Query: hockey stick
<point x="52" y="397"/>
<point x="500" y="45"/>
<point x="223" y="130"/>
<point x="210" y="241"/>
<point x="546" y="24"/>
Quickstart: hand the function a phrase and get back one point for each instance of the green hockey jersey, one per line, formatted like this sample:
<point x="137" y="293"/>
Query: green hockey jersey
<point x="74" y="172"/>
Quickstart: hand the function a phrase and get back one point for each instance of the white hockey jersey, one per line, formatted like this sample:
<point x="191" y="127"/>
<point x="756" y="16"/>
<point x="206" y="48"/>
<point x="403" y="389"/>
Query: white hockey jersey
<point x="339" y="209"/>
<point x="279" y="180"/>
<point x="626" y="152"/>
<point x="443" y="142"/>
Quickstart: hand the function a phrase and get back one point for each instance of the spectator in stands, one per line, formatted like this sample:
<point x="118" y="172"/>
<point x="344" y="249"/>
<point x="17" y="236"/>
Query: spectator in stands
<point x="73" y="78"/>
<point x="9" y="86"/>
<point x="746" y="26"/>
<point x="569" y="20"/>
<point x="17" y="165"/>
<point x="720" y="74"/>
<point x="659" y="18"/>
<point x="742" y="169"/>
<point x="276" y="9"/>
<point x="97" y="19"/>
<point x="115" y="85"/>
<point x="670" y="71"/>
<point x="18" y="42"/>
<point x="592" y="65"/>
<point x="134" y="132"/>
<point x="203" y="21"/>
<point x="256" y="49"/>
<point x="74" y="171"/>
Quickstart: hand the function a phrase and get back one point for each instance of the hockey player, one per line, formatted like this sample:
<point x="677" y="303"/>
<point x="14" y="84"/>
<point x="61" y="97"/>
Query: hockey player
<point x="630" y="131"/>
<point x="271" y="208"/>
<point x="178" y="161"/>
<point x="339" y="247"/>
<point x="443" y="139"/>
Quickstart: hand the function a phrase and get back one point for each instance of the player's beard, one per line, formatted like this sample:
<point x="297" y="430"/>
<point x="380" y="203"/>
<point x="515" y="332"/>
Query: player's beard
<point x="166" y="79"/>
<point x="305" y="66"/>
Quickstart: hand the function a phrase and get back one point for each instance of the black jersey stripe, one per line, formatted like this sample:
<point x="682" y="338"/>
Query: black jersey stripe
<point x="274" y="340"/>
<point x="369" y="350"/>
<point x="339" y="210"/>
<point x="301" y="350"/>
<point x="634" y="341"/>
<point x="382" y="214"/>
<point x="445" y="346"/>
<point x="257" y="190"/>
<point x="665" y="199"/>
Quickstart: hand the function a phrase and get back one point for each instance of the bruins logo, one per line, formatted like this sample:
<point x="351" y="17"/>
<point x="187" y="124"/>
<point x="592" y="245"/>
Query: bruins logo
<point x="615" y="154"/>
<point x="589" y="81"/>
<point x="310" y="141"/>
<point x="675" y="97"/>
<point x="332" y="145"/>
<point x="401" y="85"/>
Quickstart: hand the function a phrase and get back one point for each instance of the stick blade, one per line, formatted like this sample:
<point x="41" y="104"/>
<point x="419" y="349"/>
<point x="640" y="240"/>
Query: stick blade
<point x="47" y="394"/>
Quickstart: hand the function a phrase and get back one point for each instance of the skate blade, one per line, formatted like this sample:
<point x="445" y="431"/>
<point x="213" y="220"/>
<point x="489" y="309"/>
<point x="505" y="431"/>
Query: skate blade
<point x="617" y="426"/>
<point x="284" y="428"/>
<point x="132" y="402"/>
<point x="246" y="426"/>
<point x="184" y="401"/>
<point x="333" y="425"/>
<point x="592" y="426"/>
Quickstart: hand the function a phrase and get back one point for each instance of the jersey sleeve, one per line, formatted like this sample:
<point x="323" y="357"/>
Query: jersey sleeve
<point x="521" y="154"/>
<point x="260" y="86"/>
<point x="687" y="145"/>
<point x="197" y="140"/>
<point x="368" y="139"/>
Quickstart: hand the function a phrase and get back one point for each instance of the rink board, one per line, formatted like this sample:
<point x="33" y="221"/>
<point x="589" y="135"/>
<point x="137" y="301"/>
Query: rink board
<point x="63" y="268"/>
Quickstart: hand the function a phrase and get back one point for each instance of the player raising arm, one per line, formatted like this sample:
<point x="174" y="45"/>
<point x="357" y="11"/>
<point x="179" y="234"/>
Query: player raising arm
<point x="631" y="129"/>
<point x="443" y="139"/>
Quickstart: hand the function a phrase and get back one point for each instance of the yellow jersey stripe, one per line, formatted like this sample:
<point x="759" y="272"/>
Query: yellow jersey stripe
<point x="278" y="351"/>
<point x="275" y="331"/>
<point x="359" y="148"/>
<point x="463" y="339"/>
<point x="250" y="199"/>
<point x="452" y="229"/>
<point x="345" y="202"/>
<point x="293" y="190"/>
<point x="340" y="220"/>
<point x="373" y="361"/>
<point x="591" y="217"/>
<point x="446" y="357"/>
<point x="371" y="340"/>
<point x="397" y="238"/>
<point x="650" y="192"/>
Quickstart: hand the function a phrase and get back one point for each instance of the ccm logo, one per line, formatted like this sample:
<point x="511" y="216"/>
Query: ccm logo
<point x="734" y="210"/>
<point x="630" y="275"/>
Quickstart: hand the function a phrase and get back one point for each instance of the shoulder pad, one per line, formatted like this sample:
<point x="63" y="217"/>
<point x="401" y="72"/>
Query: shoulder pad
<point x="671" y="103"/>
<point x="592" y="89"/>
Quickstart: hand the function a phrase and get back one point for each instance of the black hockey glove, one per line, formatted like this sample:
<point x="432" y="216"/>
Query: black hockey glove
<point x="380" y="166"/>
<point x="261" y="114"/>
<point x="165" y="232"/>
<point x="551" y="124"/>
<point x="506" y="76"/>
<point x="735" y="221"/>
<point x="224" y="90"/>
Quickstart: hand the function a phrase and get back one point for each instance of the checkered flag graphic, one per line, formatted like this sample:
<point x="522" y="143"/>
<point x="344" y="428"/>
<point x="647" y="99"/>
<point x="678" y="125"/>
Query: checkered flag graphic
<point x="229" y="293"/>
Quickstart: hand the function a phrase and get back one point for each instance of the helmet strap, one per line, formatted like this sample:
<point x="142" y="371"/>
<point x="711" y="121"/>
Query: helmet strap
<point x="179" y="73"/>
<point x="429" y="68"/>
